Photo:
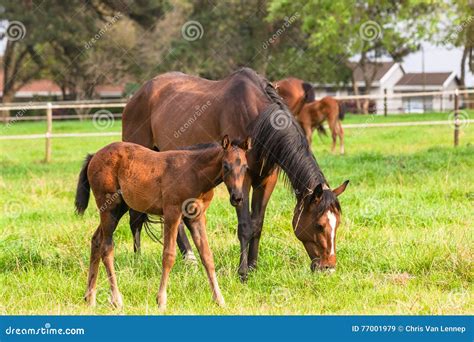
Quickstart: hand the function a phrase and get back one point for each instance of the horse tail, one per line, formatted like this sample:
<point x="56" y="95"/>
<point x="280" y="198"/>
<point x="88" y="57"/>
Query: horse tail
<point x="342" y="110"/>
<point x="309" y="95"/>
<point x="83" y="190"/>
<point x="151" y="231"/>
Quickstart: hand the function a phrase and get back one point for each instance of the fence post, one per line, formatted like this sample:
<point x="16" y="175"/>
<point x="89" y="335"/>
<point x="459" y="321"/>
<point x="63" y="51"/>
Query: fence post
<point x="385" y="102"/>
<point x="49" y="131"/>
<point x="456" y="117"/>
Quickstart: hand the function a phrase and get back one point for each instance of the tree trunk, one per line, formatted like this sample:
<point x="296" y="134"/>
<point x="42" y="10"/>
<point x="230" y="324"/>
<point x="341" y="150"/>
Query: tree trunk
<point x="356" y="93"/>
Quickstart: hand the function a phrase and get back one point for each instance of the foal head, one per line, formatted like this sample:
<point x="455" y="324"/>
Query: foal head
<point x="234" y="167"/>
<point x="315" y="223"/>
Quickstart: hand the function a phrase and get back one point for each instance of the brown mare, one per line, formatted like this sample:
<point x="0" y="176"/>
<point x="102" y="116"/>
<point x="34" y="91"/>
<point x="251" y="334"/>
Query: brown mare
<point x="175" y="109"/>
<point x="311" y="113"/>
<point x="175" y="185"/>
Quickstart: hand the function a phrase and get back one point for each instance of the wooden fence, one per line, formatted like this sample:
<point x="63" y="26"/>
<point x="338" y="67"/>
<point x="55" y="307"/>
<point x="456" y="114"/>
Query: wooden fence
<point x="50" y="106"/>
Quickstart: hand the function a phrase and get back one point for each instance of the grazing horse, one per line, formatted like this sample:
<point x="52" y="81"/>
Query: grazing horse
<point x="175" y="109"/>
<point x="311" y="113"/>
<point x="175" y="185"/>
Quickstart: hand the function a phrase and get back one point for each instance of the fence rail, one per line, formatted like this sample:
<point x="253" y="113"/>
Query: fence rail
<point x="50" y="106"/>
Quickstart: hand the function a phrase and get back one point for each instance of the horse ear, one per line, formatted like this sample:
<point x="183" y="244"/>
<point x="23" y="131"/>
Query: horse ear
<point x="340" y="189"/>
<point x="246" y="144"/>
<point x="317" y="192"/>
<point x="225" y="142"/>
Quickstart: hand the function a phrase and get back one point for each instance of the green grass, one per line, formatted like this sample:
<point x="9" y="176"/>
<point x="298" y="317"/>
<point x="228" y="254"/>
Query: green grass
<point x="404" y="247"/>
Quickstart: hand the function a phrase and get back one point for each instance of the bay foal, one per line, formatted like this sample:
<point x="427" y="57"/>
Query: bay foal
<point x="174" y="184"/>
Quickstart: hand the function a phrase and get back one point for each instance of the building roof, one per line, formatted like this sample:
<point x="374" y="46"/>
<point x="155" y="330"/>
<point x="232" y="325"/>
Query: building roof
<point x="45" y="87"/>
<point x="428" y="78"/>
<point x="381" y="69"/>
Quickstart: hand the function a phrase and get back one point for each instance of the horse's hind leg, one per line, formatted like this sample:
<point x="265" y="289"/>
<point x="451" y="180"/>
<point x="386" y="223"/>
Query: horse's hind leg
<point x="197" y="227"/>
<point x="341" y="136"/>
<point x="109" y="220"/>
<point x="136" y="224"/>
<point x="90" y="296"/>
<point x="185" y="246"/>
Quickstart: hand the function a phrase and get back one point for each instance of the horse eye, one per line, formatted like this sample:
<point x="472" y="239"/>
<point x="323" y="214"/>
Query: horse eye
<point x="226" y="167"/>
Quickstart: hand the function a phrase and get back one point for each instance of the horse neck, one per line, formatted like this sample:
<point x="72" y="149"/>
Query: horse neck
<point x="208" y="163"/>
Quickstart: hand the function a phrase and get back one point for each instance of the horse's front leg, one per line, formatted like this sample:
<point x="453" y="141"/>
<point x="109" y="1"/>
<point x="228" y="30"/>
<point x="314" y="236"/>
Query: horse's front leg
<point x="244" y="230"/>
<point x="172" y="216"/>
<point x="260" y="197"/>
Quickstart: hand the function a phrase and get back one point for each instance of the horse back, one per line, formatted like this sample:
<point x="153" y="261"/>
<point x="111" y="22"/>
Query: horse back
<point x="174" y="109"/>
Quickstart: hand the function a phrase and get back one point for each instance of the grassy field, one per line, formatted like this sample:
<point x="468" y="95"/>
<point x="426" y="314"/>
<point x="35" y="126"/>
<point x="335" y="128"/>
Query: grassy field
<point x="405" y="245"/>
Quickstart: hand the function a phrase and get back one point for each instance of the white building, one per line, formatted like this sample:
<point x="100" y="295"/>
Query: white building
<point x="392" y="78"/>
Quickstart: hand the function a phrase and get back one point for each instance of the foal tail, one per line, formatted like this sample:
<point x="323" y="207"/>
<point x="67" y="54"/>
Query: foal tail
<point x="83" y="190"/>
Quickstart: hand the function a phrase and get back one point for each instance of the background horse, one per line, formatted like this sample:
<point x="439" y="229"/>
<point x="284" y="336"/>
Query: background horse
<point x="174" y="184"/>
<point x="175" y="109"/>
<point x="311" y="113"/>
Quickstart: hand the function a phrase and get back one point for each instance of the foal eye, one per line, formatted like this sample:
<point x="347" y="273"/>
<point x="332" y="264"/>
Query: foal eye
<point x="226" y="167"/>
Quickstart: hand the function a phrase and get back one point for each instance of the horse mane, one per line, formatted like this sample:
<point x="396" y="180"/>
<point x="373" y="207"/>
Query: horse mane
<point x="278" y="140"/>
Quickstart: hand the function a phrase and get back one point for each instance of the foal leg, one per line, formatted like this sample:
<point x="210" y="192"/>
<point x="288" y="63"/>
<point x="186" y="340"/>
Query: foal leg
<point x="341" y="136"/>
<point x="109" y="221"/>
<point x="90" y="296"/>
<point x="333" y="127"/>
<point x="172" y="219"/>
<point x="185" y="246"/>
<point x="260" y="197"/>
<point x="197" y="227"/>
<point x="136" y="224"/>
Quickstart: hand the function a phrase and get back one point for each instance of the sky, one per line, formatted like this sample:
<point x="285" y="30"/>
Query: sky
<point x="437" y="59"/>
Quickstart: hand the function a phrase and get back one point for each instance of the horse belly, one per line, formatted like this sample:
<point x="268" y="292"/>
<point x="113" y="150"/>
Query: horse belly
<point x="141" y="192"/>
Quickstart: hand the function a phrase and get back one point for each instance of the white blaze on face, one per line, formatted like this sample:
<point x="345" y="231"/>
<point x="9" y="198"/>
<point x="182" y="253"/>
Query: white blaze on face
<point x="332" y="222"/>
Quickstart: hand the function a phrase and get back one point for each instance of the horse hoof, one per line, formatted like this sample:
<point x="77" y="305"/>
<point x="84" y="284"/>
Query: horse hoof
<point x="117" y="301"/>
<point x="220" y="301"/>
<point x="243" y="277"/>
<point x="90" y="298"/>
<point x="190" y="259"/>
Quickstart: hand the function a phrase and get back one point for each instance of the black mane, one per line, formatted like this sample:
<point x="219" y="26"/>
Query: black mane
<point x="279" y="140"/>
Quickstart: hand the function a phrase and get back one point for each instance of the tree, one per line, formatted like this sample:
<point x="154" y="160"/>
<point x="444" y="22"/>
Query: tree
<point x="365" y="30"/>
<point x="460" y="33"/>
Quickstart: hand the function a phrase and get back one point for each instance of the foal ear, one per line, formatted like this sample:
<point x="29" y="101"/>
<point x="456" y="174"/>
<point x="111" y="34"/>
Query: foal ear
<point x="317" y="192"/>
<point x="225" y="142"/>
<point x="340" y="189"/>
<point x="246" y="144"/>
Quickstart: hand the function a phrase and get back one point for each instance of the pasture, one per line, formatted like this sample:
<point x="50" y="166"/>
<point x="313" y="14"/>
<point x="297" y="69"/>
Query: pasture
<point x="405" y="245"/>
